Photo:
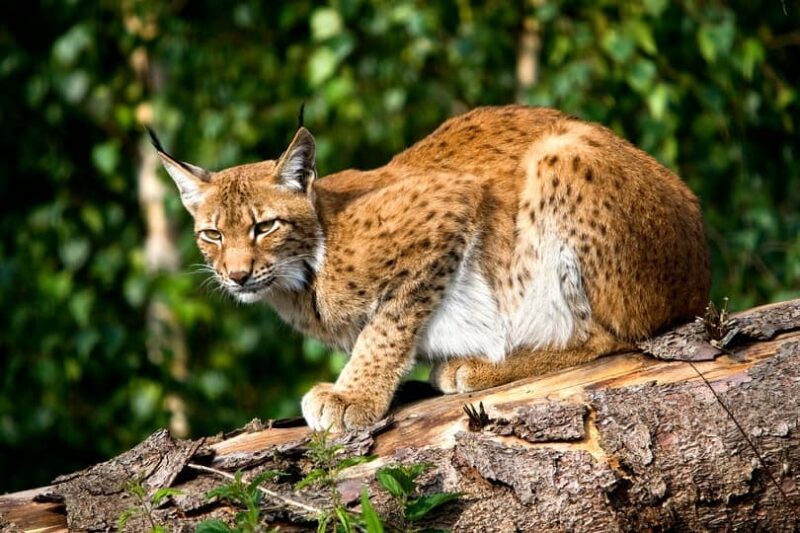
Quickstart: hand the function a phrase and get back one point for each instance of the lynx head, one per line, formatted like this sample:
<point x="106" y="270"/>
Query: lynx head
<point x="255" y="224"/>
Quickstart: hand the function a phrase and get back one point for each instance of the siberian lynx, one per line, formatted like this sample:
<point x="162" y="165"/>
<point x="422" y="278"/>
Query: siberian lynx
<point x="510" y="242"/>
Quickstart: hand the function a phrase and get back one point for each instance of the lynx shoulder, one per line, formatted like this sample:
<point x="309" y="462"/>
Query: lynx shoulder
<point x="512" y="241"/>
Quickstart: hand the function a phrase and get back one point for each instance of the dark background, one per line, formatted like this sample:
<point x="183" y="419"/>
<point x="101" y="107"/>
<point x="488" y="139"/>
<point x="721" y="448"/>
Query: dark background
<point x="104" y="339"/>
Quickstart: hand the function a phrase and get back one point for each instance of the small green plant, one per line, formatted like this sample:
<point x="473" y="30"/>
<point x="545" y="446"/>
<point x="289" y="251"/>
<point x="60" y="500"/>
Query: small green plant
<point x="145" y="505"/>
<point x="398" y="481"/>
<point x="242" y="494"/>
<point x="401" y="483"/>
<point x="327" y="466"/>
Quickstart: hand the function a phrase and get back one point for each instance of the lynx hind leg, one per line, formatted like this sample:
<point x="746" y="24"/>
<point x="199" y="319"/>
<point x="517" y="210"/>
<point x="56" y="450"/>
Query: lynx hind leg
<point x="473" y="373"/>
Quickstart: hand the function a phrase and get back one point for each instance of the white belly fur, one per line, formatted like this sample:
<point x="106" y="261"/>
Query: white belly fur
<point x="553" y="313"/>
<point x="467" y="322"/>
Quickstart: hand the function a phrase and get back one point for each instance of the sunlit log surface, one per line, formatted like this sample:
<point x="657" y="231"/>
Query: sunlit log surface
<point x="627" y="442"/>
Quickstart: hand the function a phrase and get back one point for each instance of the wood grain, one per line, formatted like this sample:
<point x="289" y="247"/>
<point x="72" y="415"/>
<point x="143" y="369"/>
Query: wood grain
<point x="624" y="442"/>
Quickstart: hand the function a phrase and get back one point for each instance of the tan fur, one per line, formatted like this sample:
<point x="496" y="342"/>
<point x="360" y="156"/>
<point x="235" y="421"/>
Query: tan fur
<point x="571" y="239"/>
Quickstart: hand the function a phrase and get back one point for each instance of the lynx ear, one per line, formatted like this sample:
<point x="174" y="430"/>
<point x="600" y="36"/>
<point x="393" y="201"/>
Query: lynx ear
<point x="190" y="179"/>
<point x="297" y="167"/>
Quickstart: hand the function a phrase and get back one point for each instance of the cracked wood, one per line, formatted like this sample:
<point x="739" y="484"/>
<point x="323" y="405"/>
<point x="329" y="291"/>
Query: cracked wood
<point x="624" y="443"/>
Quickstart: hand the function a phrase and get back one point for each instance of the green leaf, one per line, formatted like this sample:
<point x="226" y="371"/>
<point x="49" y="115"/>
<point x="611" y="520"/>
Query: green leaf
<point x="705" y="43"/>
<point x="325" y="23"/>
<point x="212" y="526"/>
<point x="394" y="481"/>
<point x="68" y="48"/>
<point x="371" y="519"/>
<point x="641" y="75"/>
<point x="715" y="40"/>
<point x="74" y="253"/>
<point x="643" y="34"/>
<point x="657" y="101"/>
<point x="618" y="45"/>
<point x="336" y="361"/>
<point x="353" y="461"/>
<point x="74" y="86"/>
<point x="136" y="488"/>
<point x="344" y="519"/>
<point x="413" y="471"/>
<point x="219" y="492"/>
<point x="250" y="517"/>
<point x="254" y="497"/>
<point x="262" y="477"/>
<point x="321" y="65"/>
<point x="655" y="7"/>
<point x="313" y="350"/>
<point x="80" y="305"/>
<point x="230" y="491"/>
<point x="106" y="156"/>
<point x="161" y="494"/>
<point x="322" y="524"/>
<point x="399" y="480"/>
<point x="752" y="55"/>
<point x="146" y="398"/>
<point x="93" y="218"/>
<point x="389" y="483"/>
<point x="416" y="509"/>
<point x="311" y="478"/>
<point x="126" y="514"/>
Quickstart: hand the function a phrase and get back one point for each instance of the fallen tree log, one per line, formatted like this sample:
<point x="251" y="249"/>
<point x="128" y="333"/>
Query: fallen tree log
<point x="705" y="437"/>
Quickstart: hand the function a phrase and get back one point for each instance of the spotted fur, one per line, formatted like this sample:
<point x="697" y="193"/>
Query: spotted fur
<point x="511" y="241"/>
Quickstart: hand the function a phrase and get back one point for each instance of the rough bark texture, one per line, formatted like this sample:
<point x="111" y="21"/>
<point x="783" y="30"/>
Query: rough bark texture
<point x="626" y="443"/>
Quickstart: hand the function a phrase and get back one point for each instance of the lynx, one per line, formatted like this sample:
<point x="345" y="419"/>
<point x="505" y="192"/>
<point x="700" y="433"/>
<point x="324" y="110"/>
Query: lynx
<point x="510" y="242"/>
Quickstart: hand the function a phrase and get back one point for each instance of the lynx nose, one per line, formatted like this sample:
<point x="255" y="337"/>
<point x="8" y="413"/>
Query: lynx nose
<point x="240" y="276"/>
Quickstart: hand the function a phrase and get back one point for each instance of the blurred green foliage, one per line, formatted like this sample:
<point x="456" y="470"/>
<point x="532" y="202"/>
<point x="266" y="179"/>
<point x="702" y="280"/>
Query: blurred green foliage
<point x="708" y="87"/>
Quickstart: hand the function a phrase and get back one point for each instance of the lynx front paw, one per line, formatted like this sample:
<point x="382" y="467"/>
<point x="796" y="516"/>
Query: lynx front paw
<point x="325" y="408"/>
<point x="464" y="375"/>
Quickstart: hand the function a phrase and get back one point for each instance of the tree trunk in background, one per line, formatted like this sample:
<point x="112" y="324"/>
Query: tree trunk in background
<point x="528" y="56"/>
<point x="693" y="441"/>
<point x="165" y="336"/>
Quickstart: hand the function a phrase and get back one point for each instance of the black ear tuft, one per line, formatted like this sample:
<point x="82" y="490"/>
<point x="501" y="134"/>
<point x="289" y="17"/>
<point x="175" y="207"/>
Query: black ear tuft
<point x="154" y="139"/>
<point x="300" y="115"/>
<point x="198" y="172"/>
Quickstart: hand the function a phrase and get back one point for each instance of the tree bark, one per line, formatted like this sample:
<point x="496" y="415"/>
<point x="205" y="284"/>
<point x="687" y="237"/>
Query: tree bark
<point x="626" y="443"/>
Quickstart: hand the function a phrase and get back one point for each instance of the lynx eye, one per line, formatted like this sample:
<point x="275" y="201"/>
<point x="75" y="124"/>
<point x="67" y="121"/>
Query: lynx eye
<point x="266" y="227"/>
<point x="210" y="235"/>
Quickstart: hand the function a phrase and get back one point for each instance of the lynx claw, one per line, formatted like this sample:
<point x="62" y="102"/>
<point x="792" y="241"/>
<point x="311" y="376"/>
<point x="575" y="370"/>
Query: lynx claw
<point x="326" y="409"/>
